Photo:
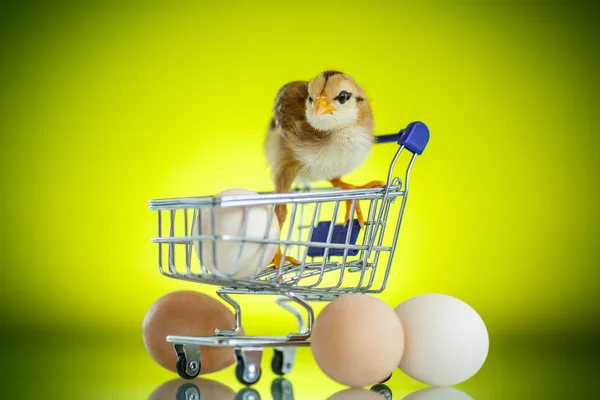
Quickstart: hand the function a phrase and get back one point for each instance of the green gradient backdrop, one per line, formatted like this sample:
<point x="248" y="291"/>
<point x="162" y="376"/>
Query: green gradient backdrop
<point x="105" y="106"/>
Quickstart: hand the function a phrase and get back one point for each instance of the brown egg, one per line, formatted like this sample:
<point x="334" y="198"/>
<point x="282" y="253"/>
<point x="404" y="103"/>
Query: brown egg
<point x="357" y="340"/>
<point x="187" y="313"/>
<point x="208" y="389"/>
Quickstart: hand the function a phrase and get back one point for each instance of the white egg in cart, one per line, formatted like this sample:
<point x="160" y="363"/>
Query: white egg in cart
<point x="235" y="259"/>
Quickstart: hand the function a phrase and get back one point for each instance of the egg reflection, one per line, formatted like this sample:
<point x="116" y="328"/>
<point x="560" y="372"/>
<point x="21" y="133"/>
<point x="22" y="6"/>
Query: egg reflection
<point x="200" y="388"/>
<point x="356" y="394"/>
<point x="438" y="393"/>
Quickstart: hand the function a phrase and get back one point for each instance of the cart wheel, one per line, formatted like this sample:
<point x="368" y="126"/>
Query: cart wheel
<point x="283" y="360"/>
<point x="281" y="389"/>
<point x="182" y="368"/>
<point x="187" y="391"/>
<point x="247" y="394"/>
<point x="383" y="391"/>
<point x="247" y="375"/>
<point x="277" y="363"/>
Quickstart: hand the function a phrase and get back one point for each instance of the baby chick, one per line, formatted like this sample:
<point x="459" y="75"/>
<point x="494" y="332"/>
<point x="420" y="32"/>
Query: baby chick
<point x="320" y="130"/>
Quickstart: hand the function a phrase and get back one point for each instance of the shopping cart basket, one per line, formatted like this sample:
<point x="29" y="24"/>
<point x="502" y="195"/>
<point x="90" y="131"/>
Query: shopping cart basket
<point x="335" y="257"/>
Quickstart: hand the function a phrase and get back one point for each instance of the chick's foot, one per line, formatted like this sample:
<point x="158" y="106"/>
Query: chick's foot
<point x="287" y="260"/>
<point x="346" y="186"/>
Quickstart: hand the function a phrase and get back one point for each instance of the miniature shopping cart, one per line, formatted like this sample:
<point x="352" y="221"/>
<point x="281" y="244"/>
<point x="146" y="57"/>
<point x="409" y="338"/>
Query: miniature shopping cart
<point x="335" y="256"/>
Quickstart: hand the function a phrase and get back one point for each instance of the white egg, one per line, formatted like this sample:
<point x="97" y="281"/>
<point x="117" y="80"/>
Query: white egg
<point x="438" y="393"/>
<point x="446" y="341"/>
<point x="223" y="256"/>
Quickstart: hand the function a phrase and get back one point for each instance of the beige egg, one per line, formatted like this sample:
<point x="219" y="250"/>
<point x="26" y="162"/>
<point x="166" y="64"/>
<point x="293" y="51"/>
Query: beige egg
<point x="208" y="389"/>
<point x="187" y="313"/>
<point x="222" y="256"/>
<point x="357" y="340"/>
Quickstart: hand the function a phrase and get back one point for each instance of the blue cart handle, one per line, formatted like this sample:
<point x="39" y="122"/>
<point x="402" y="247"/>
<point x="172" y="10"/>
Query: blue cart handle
<point x="414" y="137"/>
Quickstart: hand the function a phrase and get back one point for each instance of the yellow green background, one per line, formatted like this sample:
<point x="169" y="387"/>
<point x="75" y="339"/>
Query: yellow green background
<point x="104" y="105"/>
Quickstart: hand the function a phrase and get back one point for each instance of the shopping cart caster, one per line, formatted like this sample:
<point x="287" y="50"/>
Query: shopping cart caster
<point x="247" y="394"/>
<point x="283" y="360"/>
<point x="188" y="391"/>
<point x="383" y="391"/>
<point x="188" y="360"/>
<point x="281" y="389"/>
<point x="247" y="370"/>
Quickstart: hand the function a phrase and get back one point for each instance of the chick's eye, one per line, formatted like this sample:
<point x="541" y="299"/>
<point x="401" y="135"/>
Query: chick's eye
<point x="343" y="96"/>
<point x="310" y="100"/>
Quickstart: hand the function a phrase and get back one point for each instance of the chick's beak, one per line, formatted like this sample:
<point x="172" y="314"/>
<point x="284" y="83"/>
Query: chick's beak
<point x="322" y="106"/>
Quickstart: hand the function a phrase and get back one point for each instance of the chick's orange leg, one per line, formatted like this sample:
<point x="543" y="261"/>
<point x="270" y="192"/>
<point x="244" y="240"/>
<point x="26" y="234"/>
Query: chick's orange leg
<point x="345" y="186"/>
<point x="287" y="260"/>
<point x="337" y="182"/>
<point x="359" y="214"/>
<point x="371" y="185"/>
<point x="281" y="212"/>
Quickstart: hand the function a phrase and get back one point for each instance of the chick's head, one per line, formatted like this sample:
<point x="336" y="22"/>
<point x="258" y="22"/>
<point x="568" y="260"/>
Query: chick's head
<point x="334" y="101"/>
